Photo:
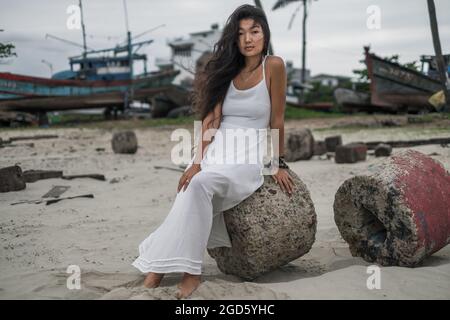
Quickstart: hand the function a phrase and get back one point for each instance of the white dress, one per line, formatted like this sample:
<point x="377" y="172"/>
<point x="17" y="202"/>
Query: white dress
<point x="195" y="221"/>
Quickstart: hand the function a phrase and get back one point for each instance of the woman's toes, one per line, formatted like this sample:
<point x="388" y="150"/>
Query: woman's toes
<point x="153" y="280"/>
<point x="185" y="289"/>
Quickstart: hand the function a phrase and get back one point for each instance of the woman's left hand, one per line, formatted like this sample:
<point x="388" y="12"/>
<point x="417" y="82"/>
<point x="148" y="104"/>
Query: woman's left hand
<point x="284" y="180"/>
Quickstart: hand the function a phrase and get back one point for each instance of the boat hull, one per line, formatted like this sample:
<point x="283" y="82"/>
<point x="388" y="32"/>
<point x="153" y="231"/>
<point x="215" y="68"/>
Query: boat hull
<point x="395" y="87"/>
<point x="23" y="93"/>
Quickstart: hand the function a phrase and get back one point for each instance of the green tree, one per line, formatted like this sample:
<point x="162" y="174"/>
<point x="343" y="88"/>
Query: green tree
<point x="7" y="50"/>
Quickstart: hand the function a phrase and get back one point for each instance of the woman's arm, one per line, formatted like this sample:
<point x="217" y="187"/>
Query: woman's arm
<point x="278" y="84"/>
<point x="212" y="122"/>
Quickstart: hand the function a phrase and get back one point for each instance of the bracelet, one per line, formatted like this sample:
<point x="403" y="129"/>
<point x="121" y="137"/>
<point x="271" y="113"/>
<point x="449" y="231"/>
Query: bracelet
<point x="280" y="163"/>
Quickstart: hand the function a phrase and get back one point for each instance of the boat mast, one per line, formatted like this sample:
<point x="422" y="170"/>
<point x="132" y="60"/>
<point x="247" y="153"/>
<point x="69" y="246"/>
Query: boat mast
<point x="438" y="51"/>
<point x="130" y="92"/>
<point x="130" y="52"/>
<point x="83" y="30"/>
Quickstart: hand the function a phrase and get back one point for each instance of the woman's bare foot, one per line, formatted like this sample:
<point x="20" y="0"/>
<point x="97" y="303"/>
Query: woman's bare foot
<point x="153" y="279"/>
<point x="188" y="285"/>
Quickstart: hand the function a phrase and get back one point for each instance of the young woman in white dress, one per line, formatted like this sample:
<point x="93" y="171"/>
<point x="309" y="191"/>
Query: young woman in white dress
<point x="235" y="89"/>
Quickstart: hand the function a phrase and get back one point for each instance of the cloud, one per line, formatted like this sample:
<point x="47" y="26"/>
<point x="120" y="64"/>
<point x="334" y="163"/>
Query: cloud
<point x="336" y="30"/>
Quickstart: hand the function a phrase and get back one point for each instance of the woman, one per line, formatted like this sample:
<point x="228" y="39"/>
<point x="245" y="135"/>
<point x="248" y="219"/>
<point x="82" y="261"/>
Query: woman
<point x="234" y="91"/>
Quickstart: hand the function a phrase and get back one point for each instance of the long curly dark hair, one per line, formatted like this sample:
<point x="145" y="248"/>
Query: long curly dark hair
<point x="211" y="83"/>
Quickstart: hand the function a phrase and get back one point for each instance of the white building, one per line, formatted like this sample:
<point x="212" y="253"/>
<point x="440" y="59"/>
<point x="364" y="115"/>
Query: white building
<point x="185" y="52"/>
<point x="329" y="80"/>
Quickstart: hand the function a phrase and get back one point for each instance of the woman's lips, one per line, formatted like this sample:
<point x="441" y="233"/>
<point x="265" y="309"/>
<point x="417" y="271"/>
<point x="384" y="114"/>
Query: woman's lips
<point x="249" y="48"/>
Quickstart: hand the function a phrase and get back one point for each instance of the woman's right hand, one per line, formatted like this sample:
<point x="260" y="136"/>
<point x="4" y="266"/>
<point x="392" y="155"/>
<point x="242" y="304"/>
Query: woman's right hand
<point x="187" y="176"/>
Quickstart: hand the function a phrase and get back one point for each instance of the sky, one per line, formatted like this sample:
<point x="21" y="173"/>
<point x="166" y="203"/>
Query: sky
<point x="336" y="30"/>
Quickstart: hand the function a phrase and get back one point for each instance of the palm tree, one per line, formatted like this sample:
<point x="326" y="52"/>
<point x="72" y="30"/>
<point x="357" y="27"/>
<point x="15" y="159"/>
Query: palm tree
<point x="281" y="4"/>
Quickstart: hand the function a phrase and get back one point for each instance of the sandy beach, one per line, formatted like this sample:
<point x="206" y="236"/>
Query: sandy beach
<point x="101" y="235"/>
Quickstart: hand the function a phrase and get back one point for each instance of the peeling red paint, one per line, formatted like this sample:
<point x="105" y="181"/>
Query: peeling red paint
<point x="425" y="186"/>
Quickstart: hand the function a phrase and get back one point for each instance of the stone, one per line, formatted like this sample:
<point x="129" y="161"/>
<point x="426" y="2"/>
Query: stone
<point x="267" y="230"/>
<point x="383" y="150"/>
<point x="124" y="142"/>
<point x="351" y="153"/>
<point x="11" y="179"/>
<point x="183" y="111"/>
<point x="320" y="148"/>
<point x="298" y="144"/>
<point x="399" y="214"/>
<point x="332" y="142"/>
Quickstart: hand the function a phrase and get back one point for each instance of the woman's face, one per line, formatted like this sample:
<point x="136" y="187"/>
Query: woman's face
<point x="251" y="37"/>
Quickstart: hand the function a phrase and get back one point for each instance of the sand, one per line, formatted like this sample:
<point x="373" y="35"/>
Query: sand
<point x="101" y="235"/>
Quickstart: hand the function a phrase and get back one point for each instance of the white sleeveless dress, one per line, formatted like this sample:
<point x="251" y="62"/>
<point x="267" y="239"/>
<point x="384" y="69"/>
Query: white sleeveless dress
<point x="195" y="221"/>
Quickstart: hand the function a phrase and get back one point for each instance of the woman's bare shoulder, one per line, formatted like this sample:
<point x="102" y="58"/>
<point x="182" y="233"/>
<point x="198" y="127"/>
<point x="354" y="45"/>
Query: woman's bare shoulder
<point x="275" y="62"/>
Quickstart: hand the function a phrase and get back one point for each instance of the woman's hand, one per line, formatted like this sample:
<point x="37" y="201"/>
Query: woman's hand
<point x="284" y="180"/>
<point x="187" y="176"/>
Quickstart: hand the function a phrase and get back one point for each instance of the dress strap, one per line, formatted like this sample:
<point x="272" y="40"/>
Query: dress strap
<point x="264" y="67"/>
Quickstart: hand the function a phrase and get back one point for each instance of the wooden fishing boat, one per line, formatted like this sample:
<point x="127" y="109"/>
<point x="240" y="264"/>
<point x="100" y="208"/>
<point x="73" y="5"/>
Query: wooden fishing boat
<point x="25" y="93"/>
<point x="397" y="88"/>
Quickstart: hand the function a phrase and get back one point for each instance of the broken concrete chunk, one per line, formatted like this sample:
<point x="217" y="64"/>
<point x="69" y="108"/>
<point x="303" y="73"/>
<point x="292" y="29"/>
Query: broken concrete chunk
<point x="11" y="179"/>
<point x="351" y="153"/>
<point x="383" y="150"/>
<point x="320" y="148"/>
<point x="332" y="142"/>
<point x="298" y="144"/>
<point x="124" y="142"/>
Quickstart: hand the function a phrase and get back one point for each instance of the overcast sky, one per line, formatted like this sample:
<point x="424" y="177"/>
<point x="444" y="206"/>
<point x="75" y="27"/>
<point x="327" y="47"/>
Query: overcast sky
<point x="336" y="31"/>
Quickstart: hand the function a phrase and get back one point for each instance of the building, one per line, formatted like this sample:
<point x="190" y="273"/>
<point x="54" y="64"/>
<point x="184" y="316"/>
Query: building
<point x="186" y="52"/>
<point x="294" y="75"/>
<point x="329" y="80"/>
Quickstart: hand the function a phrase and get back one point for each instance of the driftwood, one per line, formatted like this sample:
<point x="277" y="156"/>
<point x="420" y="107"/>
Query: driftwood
<point x="408" y="143"/>
<point x="169" y="168"/>
<point x="8" y="144"/>
<point x="36" y="137"/>
<point x="35" y="175"/>
<point x="51" y="201"/>
<point x="81" y="196"/>
<point x="93" y="176"/>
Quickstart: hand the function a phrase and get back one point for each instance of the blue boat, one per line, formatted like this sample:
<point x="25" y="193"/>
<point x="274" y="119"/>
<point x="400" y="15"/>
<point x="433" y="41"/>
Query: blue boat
<point x="96" y="79"/>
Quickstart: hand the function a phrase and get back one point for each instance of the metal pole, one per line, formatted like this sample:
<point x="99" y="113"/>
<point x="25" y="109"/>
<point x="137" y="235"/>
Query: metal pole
<point x="83" y="30"/>
<point x="437" y="48"/>
<point x="305" y="15"/>
<point x="129" y="95"/>
<point x="49" y="65"/>
<point x="126" y="14"/>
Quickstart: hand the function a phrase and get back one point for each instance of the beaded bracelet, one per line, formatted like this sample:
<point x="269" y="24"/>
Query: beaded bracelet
<point x="280" y="163"/>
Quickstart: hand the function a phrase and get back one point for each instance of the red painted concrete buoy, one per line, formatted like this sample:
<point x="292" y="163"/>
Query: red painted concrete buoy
<point x="398" y="215"/>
